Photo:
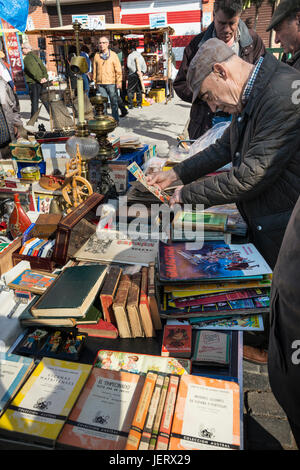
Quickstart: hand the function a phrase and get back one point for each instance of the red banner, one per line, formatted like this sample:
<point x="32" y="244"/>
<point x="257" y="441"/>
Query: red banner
<point x="13" y="50"/>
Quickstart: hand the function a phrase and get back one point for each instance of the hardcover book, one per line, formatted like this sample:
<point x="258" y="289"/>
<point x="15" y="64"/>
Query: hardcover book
<point x="144" y="306"/>
<point x="42" y="405"/>
<point x="187" y="262"/>
<point x="14" y="370"/>
<point x="133" y="306"/>
<point x="152" y="301"/>
<point x="193" y="220"/>
<point x="177" y="341"/>
<point x="102" y="329"/>
<point x="101" y="418"/>
<point x="211" y="422"/>
<point x="119" y="307"/>
<point x="108" y="292"/>
<point x="72" y="293"/>
<point x="212" y="348"/>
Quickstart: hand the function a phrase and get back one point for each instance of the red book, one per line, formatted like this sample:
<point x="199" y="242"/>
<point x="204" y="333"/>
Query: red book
<point x="177" y="341"/>
<point x="108" y="292"/>
<point x="144" y="306"/>
<point x="102" y="329"/>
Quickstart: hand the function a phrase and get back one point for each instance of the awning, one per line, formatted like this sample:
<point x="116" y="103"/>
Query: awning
<point x="118" y="27"/>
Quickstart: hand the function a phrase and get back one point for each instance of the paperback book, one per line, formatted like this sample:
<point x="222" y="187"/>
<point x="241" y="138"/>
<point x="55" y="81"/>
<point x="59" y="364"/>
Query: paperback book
<point x="212" y="348"/>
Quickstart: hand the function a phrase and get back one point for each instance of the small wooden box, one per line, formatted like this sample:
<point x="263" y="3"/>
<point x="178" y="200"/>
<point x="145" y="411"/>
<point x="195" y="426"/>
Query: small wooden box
<point x="68" y="223"/>
<point x="6" y="258"/>
<point x="40" y="264"/>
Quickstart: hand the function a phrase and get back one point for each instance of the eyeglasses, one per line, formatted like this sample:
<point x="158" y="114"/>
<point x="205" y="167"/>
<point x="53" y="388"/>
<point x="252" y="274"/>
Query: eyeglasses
<point x="103" y="42"/>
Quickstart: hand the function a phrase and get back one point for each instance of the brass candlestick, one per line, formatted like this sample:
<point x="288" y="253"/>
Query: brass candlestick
<point x="101" y="126"/>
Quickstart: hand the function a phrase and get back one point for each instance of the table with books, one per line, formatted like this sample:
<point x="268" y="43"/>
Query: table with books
<point x="134" y="344"/>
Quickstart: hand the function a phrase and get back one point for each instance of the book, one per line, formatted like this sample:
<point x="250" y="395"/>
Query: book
<point x="147" y="430"/>
<point x="14" y="370"/>
<point x="140" y="415"/>
<point x="141" y="363"/>
<point x="188" y="262"/>
<point x="159" y="412"/>
<point x="108" y="292"/>
<point x="119" y="307"/>
<point x="236" y="322"/>
<point x="193" y="220"/>
<point x="207" y="415"/>
<point x="72" y="293"/>
<point x="101" y="417"/>
<point x="132" y="306"/>
<point x="219" y="297"/>
<point x="42" y="405"/>
<point x="144" y="306"/>
<point x="164" y="432"/>
<point x="140" y="176"/>
<point x="32" y="281"/>
<point x="102" y="329"/>
<point x="177" y="341"/>
<point x="152" y="300"/>
<point x="212" y="287"/>
<point x="211" y="348"/>
<point x="121" y="251"/>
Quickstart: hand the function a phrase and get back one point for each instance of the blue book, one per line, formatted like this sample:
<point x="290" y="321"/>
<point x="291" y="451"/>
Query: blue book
<point x="14" y="370"/>
<point x="33" y="247"/>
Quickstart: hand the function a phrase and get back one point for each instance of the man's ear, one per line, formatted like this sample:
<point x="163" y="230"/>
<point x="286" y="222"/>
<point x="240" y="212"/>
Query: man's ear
<point x="219" y="70"/>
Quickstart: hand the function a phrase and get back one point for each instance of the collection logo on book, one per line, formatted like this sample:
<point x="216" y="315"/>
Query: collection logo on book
<point x="205" y="432"/>
<point x="101" y="418"/>
<point x="42" y="404"/>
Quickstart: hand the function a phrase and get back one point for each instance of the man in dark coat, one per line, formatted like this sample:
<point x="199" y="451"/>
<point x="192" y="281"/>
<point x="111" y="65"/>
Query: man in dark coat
<point x="286" y="24"/>
<point x="263" y="144"/>
<point x="284" y="343"/>
<point x="228" y="27"/>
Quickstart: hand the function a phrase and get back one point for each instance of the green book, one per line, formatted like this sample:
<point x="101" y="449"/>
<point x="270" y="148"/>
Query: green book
<point x="72" y="293"/>
<point x="192" y="220"/>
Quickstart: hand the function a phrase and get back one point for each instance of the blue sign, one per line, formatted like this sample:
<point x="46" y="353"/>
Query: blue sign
<point x="15" y="12"/>
<point x="158" y="20"/>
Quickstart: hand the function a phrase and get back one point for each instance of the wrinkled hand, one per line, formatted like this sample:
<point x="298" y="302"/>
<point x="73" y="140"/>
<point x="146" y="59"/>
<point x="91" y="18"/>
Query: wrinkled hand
<point x="162" y="179"/>
<point x="176" y="197"/>
<point x="44" y="80"/>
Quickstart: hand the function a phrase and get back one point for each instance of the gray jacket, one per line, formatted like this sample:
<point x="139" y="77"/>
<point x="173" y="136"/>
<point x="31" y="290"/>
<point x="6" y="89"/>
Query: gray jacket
<point x="10" y="107"/>
<point x="131" y="64"/>
<point x="263" y="144"/>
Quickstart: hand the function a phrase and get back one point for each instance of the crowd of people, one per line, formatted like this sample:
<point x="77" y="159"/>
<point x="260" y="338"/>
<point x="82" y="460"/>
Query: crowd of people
<point x="227" y="74"/>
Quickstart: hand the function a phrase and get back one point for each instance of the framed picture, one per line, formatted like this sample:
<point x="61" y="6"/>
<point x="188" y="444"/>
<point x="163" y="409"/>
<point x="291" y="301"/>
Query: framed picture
<point x="36" y="282"/>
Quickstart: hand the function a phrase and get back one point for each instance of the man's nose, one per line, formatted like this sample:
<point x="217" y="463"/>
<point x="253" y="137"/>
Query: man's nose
<point x="277" y="38"/>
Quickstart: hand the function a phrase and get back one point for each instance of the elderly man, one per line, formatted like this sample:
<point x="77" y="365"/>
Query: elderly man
<point x="263" y="144"/>
<point x="107" y="75"/>
<point x="286" y="24"/>
<point x="10" y="119"/>
<point x="228" y="27"/>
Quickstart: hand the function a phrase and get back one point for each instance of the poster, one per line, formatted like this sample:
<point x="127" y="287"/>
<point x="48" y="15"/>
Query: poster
<point x="13" y="52"/>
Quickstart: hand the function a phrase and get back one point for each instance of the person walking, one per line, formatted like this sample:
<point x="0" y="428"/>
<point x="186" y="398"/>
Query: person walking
<point x="136" y="66"/>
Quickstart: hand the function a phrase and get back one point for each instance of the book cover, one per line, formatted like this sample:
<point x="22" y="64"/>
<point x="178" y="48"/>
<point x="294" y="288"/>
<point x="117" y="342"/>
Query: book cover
<point x="133" y="306"/>
<point x="72" y="293"/>
<point x="221" y="297"/>
<point x="32" y="281"/>
<point x="119" y="307"/>
<point x="147" y="431"/>
<point x="159" y="412"/>
<point x="14" y="370"/>
<point x="187" y="262"/>
<point x="102" y="416"/>
<point x="43" y="403"/>
<point x="177" y="341"/>
<point x="108" y="292"/>
<point x="192" y="220"/>
<point x="122" y="251"/>
<point x="152" y="301"/>
<point x="168" y="413"/>
<point x="141" y="363"/>
<point x="212" y="348"/>
<point x="144" y="306"/>
<point x="102" y="329"/>
<point x="236" y="322"/>
<point x="141" y="411"/>
<point x="207" y="415"/>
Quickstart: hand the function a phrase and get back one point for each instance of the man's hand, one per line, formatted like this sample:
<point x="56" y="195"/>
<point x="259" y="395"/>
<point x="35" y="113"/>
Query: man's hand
<point x="162" y="179"/>
<point x="176" y="197"/>
<point x="44" y="80"/>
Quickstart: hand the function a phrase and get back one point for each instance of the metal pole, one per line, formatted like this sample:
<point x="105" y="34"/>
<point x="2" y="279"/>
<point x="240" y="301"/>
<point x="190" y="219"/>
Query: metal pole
<point x="59" y="13"/>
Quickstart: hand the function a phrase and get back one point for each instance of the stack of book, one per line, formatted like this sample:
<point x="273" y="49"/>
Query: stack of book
<point x="212" y="280"/>
<point x="197" y="226"/>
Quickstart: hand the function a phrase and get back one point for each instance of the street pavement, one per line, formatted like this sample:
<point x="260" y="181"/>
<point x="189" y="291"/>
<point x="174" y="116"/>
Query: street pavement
<point x="265" y="424"/>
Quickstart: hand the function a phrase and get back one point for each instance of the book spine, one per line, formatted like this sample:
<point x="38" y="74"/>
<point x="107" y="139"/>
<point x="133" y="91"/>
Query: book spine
<point x="159" y="413"/>
<point x="152" y="298"/>
<point x="119" y="307"/>
<point x="168" y="413"/>
<point x="146" y="434"/>
<point x="144" y="306"/>
<point x="140" y="416"/>
<point x="107" y="308"/>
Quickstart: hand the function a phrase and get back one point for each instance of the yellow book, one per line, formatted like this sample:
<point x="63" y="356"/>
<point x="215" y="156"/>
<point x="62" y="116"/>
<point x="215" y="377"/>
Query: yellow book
<point x="41" y="407"/>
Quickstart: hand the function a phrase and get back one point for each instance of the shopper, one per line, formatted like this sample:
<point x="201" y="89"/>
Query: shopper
<point x="107" y="75"/>
<point x="136" y="66"/>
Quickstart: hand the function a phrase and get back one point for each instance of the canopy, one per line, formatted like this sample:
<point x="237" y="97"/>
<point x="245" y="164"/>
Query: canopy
<point x="113" y="27"/>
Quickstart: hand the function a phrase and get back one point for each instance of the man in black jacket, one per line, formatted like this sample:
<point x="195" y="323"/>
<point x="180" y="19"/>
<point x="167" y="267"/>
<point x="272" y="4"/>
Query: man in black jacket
<point x="228" y="27"/>
<point x="263" y="143"/>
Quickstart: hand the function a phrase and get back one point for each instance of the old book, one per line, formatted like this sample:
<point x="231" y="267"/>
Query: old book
<point x="177" y="341"/>
<point x="212" y="348"/>
<point x="102" y="416"/>
<point x="211" y="422"/>
<point x="138" y="422"/>
<point x="72" y="293"/>
<point x="168" y="413"/>
<point x="119" y="307"/>
<point x="102" y="329"/>
<point x="108" y="292"/>
<point x="42" y="405"/>
<point x="144" y="306"/>
<point x="147" y="431"/>
<point x="193" y="220"/>
<point x="36" y="282"/>
<point x="133" y="306"/>
<point x="14" y="370"/>
<point x="152" y="298"/>
<point x="159" y="412"/>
